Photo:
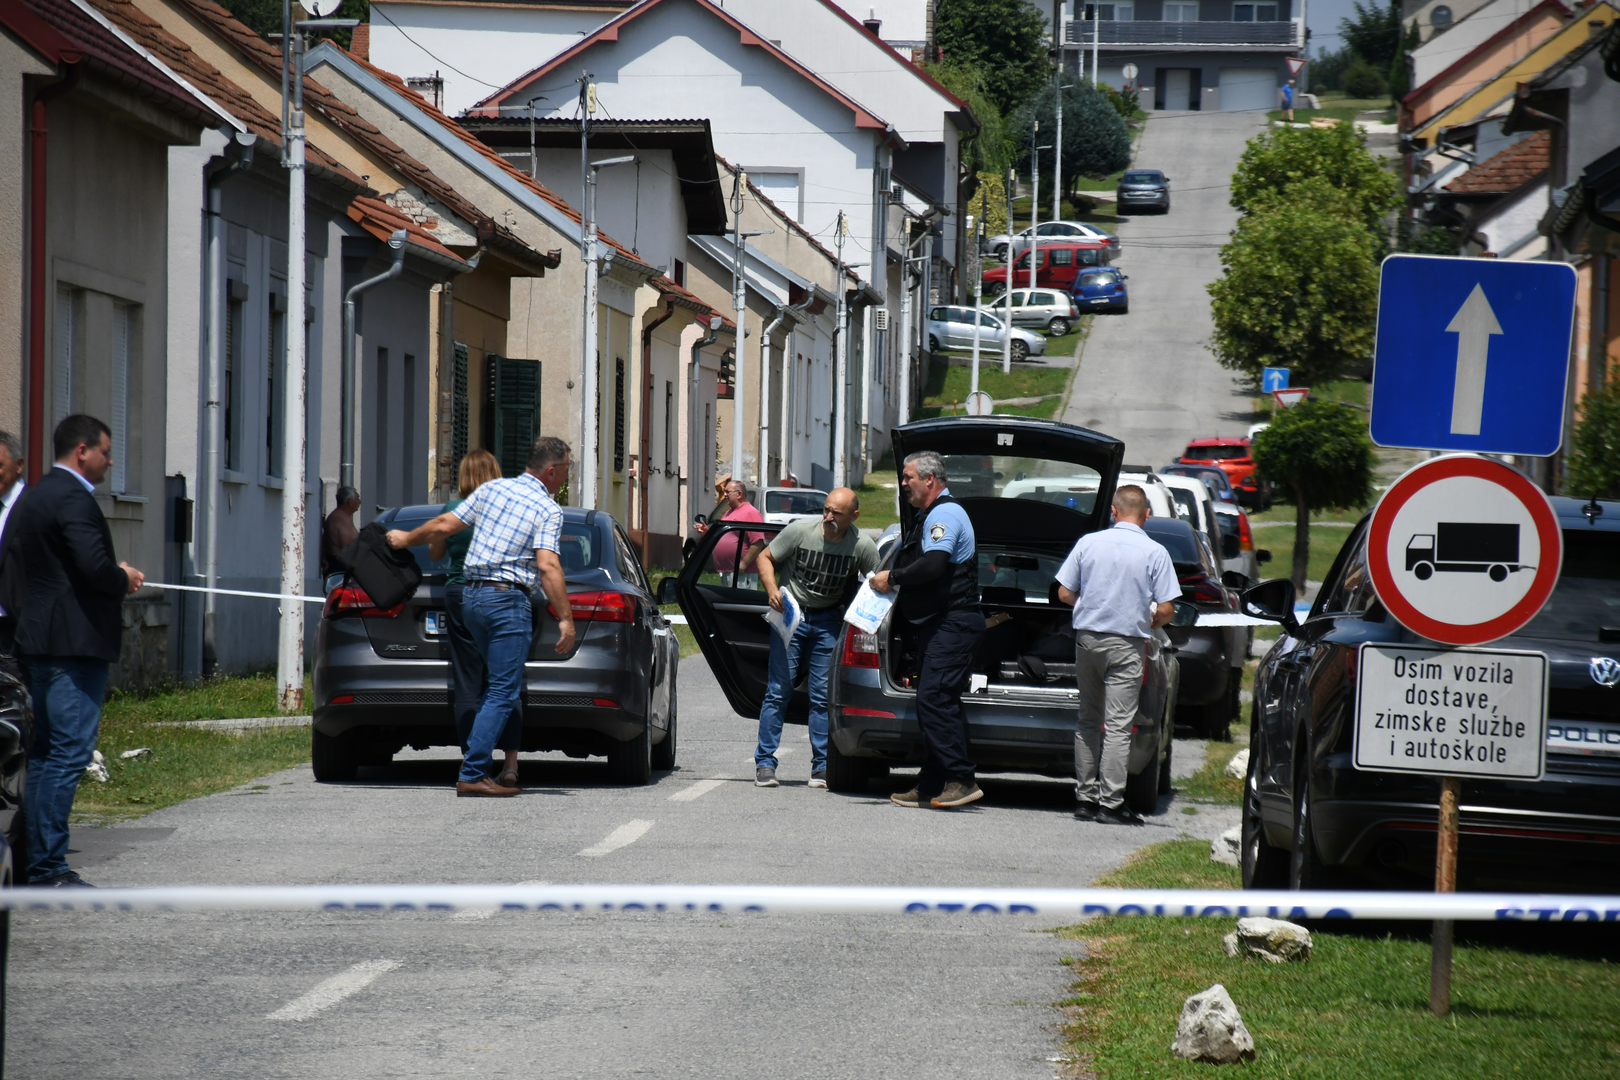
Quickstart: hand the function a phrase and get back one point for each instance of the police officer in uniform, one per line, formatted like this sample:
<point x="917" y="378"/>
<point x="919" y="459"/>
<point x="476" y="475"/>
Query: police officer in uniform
<point x="938" y="570"/>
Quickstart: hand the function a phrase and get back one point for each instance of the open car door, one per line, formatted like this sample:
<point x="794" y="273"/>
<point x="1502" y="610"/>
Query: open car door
<point x="725" y="607"/>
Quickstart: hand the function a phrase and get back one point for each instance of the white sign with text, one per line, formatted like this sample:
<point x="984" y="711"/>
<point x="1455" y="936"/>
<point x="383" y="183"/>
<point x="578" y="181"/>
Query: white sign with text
<point x="1451" y="712"/>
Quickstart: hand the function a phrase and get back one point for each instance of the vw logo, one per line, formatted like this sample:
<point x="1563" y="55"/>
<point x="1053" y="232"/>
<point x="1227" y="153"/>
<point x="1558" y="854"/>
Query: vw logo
<point x="1604" y="671"/>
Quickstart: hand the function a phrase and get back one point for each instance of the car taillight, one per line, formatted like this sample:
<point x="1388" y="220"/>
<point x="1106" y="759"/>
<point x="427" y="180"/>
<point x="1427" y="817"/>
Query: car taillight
<point x="1074" y="310"/>
<point x="602" y="606"/>
<point x="1245" y="536"/>
<point x="1202" y="589"/>
<point x="860" y="649"/>
<point x="348" y="600"/>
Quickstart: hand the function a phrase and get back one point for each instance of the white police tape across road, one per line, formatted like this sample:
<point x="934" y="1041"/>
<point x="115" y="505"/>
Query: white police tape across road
<point x="830" y="900"/>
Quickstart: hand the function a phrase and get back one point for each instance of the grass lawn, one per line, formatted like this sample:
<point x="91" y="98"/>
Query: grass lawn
<point x="1527" y="1001"/>
<point x="1325" y="544"/>
<point x="947" y="389"/>
<point x="185" y="763"/>
<point x="1340" y="106"/>
<point x="1210" y="783"/>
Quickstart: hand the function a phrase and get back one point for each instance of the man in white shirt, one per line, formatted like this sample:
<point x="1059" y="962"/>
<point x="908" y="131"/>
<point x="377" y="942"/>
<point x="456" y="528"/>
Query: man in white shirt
<point x="1123" y="587"/>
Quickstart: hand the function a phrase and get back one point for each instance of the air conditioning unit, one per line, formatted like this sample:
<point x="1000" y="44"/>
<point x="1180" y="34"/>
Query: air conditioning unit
<point x="880" y="319"/>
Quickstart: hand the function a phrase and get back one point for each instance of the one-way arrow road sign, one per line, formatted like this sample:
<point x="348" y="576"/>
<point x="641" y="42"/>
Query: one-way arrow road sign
<point x="1472" y="354"/>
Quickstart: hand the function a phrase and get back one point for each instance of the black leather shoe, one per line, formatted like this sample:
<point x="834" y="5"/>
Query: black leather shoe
<point x="1086" y="811"/>
<point x="69" y="880"/>
<point x="1119" y="815"/>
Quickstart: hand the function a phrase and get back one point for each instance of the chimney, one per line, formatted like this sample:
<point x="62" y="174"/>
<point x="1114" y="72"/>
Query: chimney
<point x="872" y="22"/>
<point x="360" y="44"/>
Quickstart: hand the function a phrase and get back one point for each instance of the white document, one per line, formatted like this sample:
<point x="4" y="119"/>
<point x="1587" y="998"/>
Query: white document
<point x="786" y="621"/>
<point x="869" y="608"/>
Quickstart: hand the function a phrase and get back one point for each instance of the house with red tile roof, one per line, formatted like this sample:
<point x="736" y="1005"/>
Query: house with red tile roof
<point x="89" y="121"/>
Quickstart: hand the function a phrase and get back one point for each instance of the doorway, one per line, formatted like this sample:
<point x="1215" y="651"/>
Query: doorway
<point x="1177" y="83"/>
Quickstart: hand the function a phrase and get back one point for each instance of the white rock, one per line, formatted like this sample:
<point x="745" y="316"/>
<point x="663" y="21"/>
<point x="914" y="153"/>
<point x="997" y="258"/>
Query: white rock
<point x="1271" y="939"/>
<point x="1238" y="767"/>
<point x="1211" y="1030"/>
<point x="1226" y="847"/>
<point x="97" y="769"/>
<point x="136" y="755"/>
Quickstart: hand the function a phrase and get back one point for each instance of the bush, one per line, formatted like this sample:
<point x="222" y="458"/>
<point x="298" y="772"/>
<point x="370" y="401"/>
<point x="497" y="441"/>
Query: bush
<point x="1095" y="139"/>
<point x="1274" y="163"/>
<point x="1362" y="80"/>
<point x="1126" y="102"/>
<point x="1593" y="465"/>
<point x="1320" y="453"/>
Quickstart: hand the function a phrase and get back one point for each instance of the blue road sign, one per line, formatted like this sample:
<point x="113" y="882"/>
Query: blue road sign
<point x="1472" y="354"/>
<point x="1273" y="378"/>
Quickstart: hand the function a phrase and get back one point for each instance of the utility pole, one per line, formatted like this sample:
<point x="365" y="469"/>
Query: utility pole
<point x="294" y="500"/>
<point x="587" y="252"/>
<point x="739" y="304"/>
<point x="840" y="369"/>
<point x="1006" y="296"/>
<point x="1057" y="172"/>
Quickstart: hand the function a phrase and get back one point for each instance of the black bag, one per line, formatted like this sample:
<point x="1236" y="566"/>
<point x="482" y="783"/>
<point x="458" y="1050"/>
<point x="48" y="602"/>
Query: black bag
<point x="389" y="575"/>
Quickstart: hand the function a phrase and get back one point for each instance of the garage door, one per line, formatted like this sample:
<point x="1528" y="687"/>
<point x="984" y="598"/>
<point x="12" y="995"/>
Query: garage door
<point x="1248" y="88"/>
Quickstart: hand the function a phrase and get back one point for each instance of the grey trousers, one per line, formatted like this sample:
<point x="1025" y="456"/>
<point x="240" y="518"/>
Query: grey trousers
<point x="1108" y="669"/>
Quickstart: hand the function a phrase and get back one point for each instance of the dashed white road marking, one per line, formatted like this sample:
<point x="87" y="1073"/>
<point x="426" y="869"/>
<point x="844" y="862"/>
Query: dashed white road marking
<point x="334" y="990"/>
<point x="702" y="787"/>
<point x="474" y="914"/>
<point x="623" y="836"/>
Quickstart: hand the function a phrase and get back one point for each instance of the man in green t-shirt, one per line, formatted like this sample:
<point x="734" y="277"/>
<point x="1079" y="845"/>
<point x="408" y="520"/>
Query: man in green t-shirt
<point x="817" y="562"/>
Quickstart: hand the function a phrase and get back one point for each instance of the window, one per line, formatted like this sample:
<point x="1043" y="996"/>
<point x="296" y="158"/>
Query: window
<point x="275" y="370"/>
<point x="381" y="442"/>
<point x="458" y="409"/>
<point x="1180" y="11"/>
<point x="618" y="414"/>
<point x="989" y="321"/>
<point x="785" y="188"/>
<point x="1440" y="17"/>
<point x="516" y="396"/>
<point x="1018" y="298"/>
<point x="1062" y="257"/>
<point x="68" y="331"/>
<point x="123" y="332"/>
<point x="679" y="273"/>
<point x="937" y="315"/>
<point x="234" y="374"/>
<point x="1254" y="12"/>
<point x="409" y="456"/>
<point x="629" y="565"/>
<point x="669" y="428"/>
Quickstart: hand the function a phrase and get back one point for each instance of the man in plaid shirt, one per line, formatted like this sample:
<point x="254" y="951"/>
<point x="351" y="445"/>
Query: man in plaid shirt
<point x="518" y="523"/>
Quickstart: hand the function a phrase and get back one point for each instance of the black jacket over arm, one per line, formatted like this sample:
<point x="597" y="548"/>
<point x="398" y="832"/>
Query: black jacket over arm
<point x="59" y="577"/>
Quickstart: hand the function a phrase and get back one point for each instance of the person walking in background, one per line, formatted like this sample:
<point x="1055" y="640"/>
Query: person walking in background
<point x="820" y="560"/>
<point x="1123" y="587"/>
<point x="1288" y="100"/>
<point x="518" y="528"/>
<point x="735" y="552"/>
<point x="938" y="571"/>
<point x="467" y="674"/>
<point x="338" y="530"/>
<point x="65" y="588"/>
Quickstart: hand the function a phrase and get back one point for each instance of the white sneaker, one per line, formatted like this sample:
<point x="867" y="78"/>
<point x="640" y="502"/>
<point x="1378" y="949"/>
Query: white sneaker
<point x="818" y="780"/>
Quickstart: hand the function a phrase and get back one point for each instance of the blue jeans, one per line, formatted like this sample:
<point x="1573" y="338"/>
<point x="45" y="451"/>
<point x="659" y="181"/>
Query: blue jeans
<point x="817" y="639"/>
<point x="67" y="718"/>
<point x="467" y="676"/>
<point x="501" y="622"/>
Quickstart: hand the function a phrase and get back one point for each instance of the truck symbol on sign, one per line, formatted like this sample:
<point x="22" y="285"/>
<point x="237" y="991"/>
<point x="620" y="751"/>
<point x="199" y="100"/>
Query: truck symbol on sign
<point x="1465" y="547"/>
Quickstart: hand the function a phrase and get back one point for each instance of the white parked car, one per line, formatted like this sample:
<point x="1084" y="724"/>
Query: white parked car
<point x="1198" y="508"/>
<point x="1160" y="502"/>
<point x="1050" y="230"/>
<point x="781" y="505"/>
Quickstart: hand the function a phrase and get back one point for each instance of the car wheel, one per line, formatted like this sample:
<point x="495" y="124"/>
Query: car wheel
<point x="1125" y="308"/>
<point x="995" y="288"/>
<point x="1165" y="783"/>
<point x="845" y="773"/>
<point x="334" y="758"/>
<point x="630" y="763"/>
<point x="1058" y="327"/>
<point x="999" y="252"/>
<point x="1142" y="790"/>
<point x="933" y="343"/>
<point x="1264" y="867"/>
<point x="663" y="755"/>
<point x="1020" y="351"/>
<point x="1305" y="867"/>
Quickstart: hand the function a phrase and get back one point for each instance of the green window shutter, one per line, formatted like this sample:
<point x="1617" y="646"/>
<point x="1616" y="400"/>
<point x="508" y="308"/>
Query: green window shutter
<point x="458" y="410"/>
<point x="517" y="411"/>
<point x="618" y="415"/>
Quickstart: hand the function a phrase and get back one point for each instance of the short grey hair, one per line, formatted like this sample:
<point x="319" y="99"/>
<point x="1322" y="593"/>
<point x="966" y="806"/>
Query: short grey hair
<point x="546" y="451"/>
<point x="12" y="444"/>
<point x="928" y="464"/>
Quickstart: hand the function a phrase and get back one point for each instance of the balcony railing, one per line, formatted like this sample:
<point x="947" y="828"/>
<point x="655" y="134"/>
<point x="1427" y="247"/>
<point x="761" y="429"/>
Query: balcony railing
<point x="1279" y="34"/>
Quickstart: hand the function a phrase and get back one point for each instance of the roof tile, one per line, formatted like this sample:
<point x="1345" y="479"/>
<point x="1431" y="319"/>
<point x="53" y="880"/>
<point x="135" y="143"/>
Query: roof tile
<point x="1508" y="171"/>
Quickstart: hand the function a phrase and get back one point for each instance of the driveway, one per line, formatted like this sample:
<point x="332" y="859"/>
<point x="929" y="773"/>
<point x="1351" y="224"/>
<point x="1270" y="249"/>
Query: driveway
<point x="1148" y="377"/>
<point x="507" y="994"/>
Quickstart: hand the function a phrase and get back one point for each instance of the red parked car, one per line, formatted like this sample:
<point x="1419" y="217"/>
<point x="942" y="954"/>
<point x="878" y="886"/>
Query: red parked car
<point x="1060" y="262"/>
<point x="1231" y="454"/>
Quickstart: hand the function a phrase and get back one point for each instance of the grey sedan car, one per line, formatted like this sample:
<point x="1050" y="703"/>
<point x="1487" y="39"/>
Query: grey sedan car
<point x="1050" y="310"/>
<point x="951" y="327"/>
<point x="382" y="676"/>
<point x="1022" y="703"/>
<point x="1141" y="189"/>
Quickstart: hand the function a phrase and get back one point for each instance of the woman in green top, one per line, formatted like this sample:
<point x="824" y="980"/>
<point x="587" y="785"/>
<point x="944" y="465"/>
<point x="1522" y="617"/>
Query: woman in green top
<point x="468" y="675"/>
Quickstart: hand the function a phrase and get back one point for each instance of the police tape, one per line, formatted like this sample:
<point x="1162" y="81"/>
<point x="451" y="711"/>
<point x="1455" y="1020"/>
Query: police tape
<point x="236" y="592"/>
<point x="829" y="900"/>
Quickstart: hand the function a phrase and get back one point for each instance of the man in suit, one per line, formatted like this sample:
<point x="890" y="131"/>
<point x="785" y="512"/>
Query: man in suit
<point x="65" y="588"/>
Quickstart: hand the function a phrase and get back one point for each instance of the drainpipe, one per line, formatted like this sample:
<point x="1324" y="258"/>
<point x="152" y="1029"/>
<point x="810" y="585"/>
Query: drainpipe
<point x="396" y="244"/>
<point x="646" y="428"/>
<point x="765" y="396"/>
<point x="36" y="264"/>
<point x="238" y="158"/>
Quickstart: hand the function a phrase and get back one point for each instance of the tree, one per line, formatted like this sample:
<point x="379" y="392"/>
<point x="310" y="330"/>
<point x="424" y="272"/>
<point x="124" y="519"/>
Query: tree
<point x="991" y="150"/>
<point x="263" y="17"/>
<point x="1362" y="80"/>
<point x="1275" y="162"/>
<point x="1327" y="69"/>
<point x="1374" y="34"/>
<point x="1593" y="466"/>
<point x="989" y="203"/>
<point x="1400" y="68"/>
<point x="1300" y="289"/>
<point x="1006" y="39"/>
<point x="1319" y="451"/>
<point x="1096" y="141"/>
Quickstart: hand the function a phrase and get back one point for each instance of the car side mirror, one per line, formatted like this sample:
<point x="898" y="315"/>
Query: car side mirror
<point x="1184" y="615"/>
<point x="1233" y="579"/>
<point x="666" y="591"/>
<point x="1262" y="555"/>
<point x="1273" y="601"/>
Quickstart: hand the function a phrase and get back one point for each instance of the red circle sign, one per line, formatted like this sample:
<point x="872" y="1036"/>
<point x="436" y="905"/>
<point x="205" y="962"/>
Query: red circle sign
<point x="1464" y="550"/>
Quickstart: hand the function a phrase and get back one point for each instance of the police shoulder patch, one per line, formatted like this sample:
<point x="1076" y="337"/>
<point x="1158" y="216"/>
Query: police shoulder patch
<point x="937" y="533"/>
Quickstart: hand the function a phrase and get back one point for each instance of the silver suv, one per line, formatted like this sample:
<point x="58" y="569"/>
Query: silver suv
<point x="951" y="327"/>
<point x="1047" y="309"/>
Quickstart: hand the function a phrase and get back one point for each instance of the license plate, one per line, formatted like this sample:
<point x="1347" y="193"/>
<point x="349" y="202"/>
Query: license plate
<point x="435" y="624"/>
<point x="1100" y="300"/>
<point x="1583" y="739"/>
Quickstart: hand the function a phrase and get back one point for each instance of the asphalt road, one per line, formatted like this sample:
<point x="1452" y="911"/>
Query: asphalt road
<point x="503" y="994"/>
<point x="1148" y="376"/>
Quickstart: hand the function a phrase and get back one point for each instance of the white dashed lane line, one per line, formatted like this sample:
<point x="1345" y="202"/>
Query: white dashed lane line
<point x="623" y="836"/>
<point x="702" y="787"/>
<point x="334" y="990"/>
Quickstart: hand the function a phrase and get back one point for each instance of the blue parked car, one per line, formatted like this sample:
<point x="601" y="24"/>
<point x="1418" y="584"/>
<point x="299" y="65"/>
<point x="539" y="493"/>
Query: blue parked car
<point x="1101" y="289"/>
